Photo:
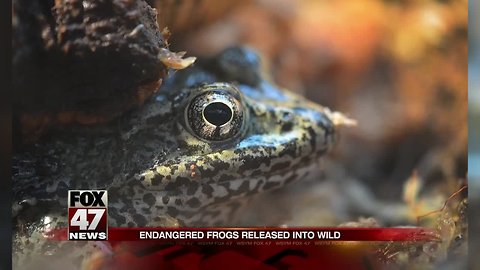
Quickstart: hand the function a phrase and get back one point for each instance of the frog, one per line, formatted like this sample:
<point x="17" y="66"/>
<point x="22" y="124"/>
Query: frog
<point x="215" y="134"/>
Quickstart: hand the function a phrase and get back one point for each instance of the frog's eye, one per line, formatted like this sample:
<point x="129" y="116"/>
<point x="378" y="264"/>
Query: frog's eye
<point x="216" y="114"/>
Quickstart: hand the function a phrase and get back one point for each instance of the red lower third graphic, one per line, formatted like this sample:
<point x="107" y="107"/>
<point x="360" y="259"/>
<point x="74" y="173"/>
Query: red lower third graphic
<point x="249" y="248"/>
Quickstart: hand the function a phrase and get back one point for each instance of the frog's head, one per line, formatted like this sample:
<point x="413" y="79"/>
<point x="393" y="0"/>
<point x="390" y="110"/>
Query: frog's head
<point x="235" y="134"/>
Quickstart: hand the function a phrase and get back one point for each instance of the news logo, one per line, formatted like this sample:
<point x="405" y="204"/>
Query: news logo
<point x="87" y="215"/>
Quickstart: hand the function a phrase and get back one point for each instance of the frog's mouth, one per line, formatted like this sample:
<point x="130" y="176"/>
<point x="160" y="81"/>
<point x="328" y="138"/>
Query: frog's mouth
<point x="194" y="200"/>
<point x="226" y="191"/>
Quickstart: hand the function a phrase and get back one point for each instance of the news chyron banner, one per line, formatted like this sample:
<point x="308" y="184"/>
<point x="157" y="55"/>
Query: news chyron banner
<point x="88" y="210"/>
<point x="87" y="215"/>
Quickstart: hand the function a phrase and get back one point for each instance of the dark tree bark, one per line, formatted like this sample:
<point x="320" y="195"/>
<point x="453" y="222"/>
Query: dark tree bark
<point x="82" y="61"/>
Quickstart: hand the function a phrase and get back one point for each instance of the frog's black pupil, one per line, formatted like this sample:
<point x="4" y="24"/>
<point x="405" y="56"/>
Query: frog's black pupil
<point x="217" y="113"/>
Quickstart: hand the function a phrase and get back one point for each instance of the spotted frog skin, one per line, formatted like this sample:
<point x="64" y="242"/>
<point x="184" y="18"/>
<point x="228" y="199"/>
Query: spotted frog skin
<point x="215" y="133"/>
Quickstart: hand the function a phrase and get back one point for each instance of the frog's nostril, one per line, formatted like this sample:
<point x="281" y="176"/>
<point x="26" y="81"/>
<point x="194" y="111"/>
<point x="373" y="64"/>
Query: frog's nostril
<point x="285" y="120"/>
<point x="286" y="127"/>
<point x="287" y="116"/>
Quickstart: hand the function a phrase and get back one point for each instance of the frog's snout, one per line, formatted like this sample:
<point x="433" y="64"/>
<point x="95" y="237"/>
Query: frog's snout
<point x="319" y="128"/>
<point x="311" y="127"/>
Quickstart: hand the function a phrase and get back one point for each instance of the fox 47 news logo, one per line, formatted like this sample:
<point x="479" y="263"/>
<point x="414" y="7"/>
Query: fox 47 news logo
<point x="87" y="215"/>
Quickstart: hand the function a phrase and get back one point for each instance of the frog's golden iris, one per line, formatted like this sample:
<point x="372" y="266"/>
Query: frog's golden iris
<point x="216" y="112"/>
